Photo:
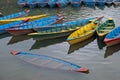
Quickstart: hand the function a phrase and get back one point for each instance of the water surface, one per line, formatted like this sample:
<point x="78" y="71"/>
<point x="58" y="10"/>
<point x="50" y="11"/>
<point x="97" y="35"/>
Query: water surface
<point x="102" y="61"/>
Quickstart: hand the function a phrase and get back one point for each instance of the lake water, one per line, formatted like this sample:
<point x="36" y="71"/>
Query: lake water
<point x="102" y="61"/>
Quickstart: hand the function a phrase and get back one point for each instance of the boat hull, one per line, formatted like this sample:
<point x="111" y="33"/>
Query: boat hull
<point x="51" y="36"/>
<point x="82" y="38"/>
<point x="10" y="25"/>
<point x="26" y="30"/>
<point x="110" y="42"/>
<point x="19" y="32"/>
<point x="105" y="28"/>
<point x="30" y="18"/>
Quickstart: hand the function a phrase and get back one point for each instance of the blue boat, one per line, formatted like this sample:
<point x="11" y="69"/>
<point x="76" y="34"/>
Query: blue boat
<point x="116" y="2"/>
<point x="52" y="3"/>
<point x="62" y="3"/>
<point x="15" y="15"/>
<point x="100" y="2"/>
<point x="108" y="3"/>
<point x="113" y="37"/>
<point x="9" y="25"/>
<point x="49" y="62"/>
<point x="68" y="24"/>
<point x="58" y="30"/>
<point x="76" y="3"/>
<point x="42" y="3"/>
<point x="32" y="3"/>
<point x="89" y="3"/>
<point x="28" y="27"/>
<point x="22" y="3"/>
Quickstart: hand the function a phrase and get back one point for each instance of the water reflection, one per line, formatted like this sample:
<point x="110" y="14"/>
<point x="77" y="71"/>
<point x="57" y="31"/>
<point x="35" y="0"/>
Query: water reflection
<point x="100" y="43"/>
<point x="101" y="7"/>
<point x="74" y="47"/>
<point x="4" y="35"/>
<point x="111" y="50"/>
<point x="16" y="39"/>
<point x="43" y="43"/>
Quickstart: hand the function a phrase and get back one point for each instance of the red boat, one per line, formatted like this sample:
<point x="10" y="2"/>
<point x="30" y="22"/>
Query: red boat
<point x="25" y="29"/>
<point x="113" y="37"/>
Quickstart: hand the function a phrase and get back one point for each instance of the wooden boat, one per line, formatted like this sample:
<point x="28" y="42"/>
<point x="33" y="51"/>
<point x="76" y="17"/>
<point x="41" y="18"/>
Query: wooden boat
<point x="43" y="3"/>
<point x="49" y="62"/>
<point x="52" y="3"/>
<point x="76" y="3"/>
<point x="116" y="2"/>
<point x="22" y="3"/>
<point x="59" y="30"/>
<point x="69" y="23"/>
<point x="32" y="3"/>
<point x="62" y="3"/>
<point x="15" y="15"/>
<point x="84" y="32"/>
<point x="28" y="27"/>
<point x="89" y="3"/>
<point x="113" y="37"/>
<point x="10" y="25"/>
<point x="23" y="18"/>
<point x="100" y="3"/>
<point x="108" y="2"/>
<point x="105" y="28"/>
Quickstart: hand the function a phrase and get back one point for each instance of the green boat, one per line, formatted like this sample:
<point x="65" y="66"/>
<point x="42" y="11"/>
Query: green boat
<point x="105" y="28"/>
<point x="53" y="33"/>
<point x="60" y="30"/>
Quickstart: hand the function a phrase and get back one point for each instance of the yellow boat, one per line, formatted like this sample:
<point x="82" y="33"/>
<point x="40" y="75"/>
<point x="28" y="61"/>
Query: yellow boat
<point x="84" y="32"/>
<point x="23" y="18"/>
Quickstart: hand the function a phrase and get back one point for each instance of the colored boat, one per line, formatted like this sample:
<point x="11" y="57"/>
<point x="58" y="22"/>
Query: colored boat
<point x="116" y="2"/>
<point x="49" y="62"/>
<point x="52" y="3"/>
<point x="113" y="37"/>
<point x="108" y="2"/>
<point x="62" y="3"/>
<point x="104" y="28"/>
<point x="23" y="18"/>
<point x="10" y="25"/>
<point x="100" y="3"/>
<point x="84" y="32"/>
<point x="76" y="3"/>
<point x="22" y="3"/>
<point x="28" y="27"/>
<point x="32" y="3"/>
<point x="59" y="30"/>
<point x="15" y="15"/>
<point x="89" y="3"/>
<point x="42" y="3"/>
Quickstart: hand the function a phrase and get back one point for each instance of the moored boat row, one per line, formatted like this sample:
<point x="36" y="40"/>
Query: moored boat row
<point x="63" y="3"/>
<point x="48" y="28"/>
